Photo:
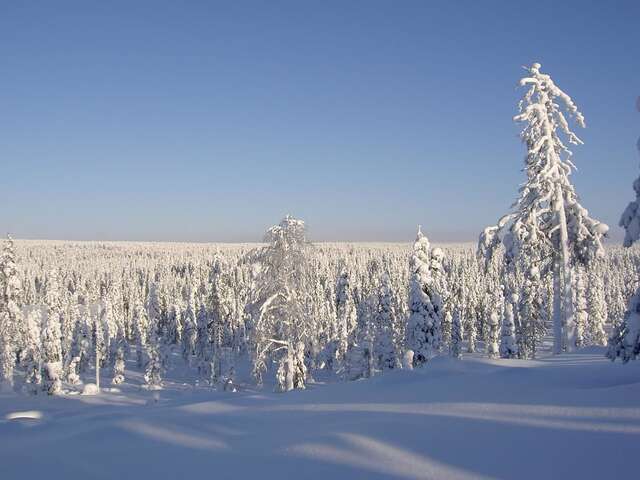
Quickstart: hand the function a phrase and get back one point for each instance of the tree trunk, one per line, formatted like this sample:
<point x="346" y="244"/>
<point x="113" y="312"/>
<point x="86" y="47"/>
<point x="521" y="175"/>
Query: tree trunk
<point x="563" y="321"/>
<point x="557" y="308"/>
<point x="97" y="367"/>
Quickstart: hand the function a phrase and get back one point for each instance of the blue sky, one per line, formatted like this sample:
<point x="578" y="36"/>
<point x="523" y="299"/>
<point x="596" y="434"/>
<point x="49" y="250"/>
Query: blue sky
<point x="207" y="121"/>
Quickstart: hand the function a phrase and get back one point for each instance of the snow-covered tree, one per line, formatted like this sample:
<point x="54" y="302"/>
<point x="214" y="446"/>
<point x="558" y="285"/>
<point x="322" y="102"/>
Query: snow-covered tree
<point x="547" y="217"/>
<point x="32" y="356"/>
<point x="455" y="347"/>
<point x="140" y="330"/>
<point x="580" y="306"/>
<point x="152" y="305"/>
<point x="173" y="327"/>
<point x="345" y="324"/>
<point x="51" y="345"/>
<point x="493" y="325"/>
<point x="204" y="350"/>
<point x="624" y="342"/>
<point x="280" y="315"/>
<point x="471" y="332"/>
<point x="360" y="361"/>
<point x="118" y="354"/>
<point x="10" y="313"/>
<point x="98" y="343"/>
<point x="154" y="367"/>
<point x="532" y="315"/>
<point x="423" y="331"/>
<point x="508" y="346"/>
<point x="493" y="335"/>
<point x="73" y="358"/>
<point x="597" y="308"/>
<point x="190" y="329"/>
<point x="384" y="348"/>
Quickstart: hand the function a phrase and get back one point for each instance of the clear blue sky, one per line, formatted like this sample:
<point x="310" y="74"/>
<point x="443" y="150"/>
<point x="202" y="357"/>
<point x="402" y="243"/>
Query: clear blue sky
<point x="206" y="121"/>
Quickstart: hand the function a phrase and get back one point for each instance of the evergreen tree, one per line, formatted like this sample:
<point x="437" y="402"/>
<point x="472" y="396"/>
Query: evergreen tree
<point x="31" y="360"/>
<point x="280" y="315"/>
<point x="154" y="367"/>
<point x="508" y="346"/>
<point x="140" y="328"/>
<point x="346" y="319"/>
<point x="10" y="313"/>
<point x="597" y="308"/>
<point x="547" y="217"/>
<point x="360" y="362"/>
<point x="455" y="348"/>
<point x="118" y="349"/>
<point x="624" y="342"/>
<point x="493" y="335"/>
<point x="190" y="329"/>
<point x="531" y="315"/>
<point x="471" y="331"/>
<point x="580" y="307"/>
<point x="424" y="326"/>
<point x="51" y="334"/>
<point x="204" y="351"/>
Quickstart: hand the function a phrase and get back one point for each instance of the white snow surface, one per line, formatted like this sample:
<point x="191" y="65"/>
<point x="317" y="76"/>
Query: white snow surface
<point x="568" y="416"/>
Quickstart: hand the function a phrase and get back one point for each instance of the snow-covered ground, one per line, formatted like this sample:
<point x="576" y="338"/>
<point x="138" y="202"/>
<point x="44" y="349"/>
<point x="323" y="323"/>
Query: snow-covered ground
<point x="570" y="416"/>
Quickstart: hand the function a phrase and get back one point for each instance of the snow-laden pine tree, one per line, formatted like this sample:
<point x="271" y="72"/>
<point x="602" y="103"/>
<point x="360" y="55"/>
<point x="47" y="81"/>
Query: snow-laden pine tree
<point x="173" y="327"/>
<point x="423" y="331"/>
<point x="189" y="328"/>
<point x="140" y="329"/>
<point x="624" y="342"/>
<point x="580" y="306"/>
<point x="10" y="313"/>
<point x="493" y="334"/>
<point x="280" y="316"/>
<point x="204" y="351"/>
<point x="597" y="307"/>
<point x="83" y="339"/>
<point x="152" y="305"/>
<point x="31" y="361"/>
<point x="455" y="347"/>
<point x="493" y="325"/>
<point x="222" y="315"/>
<point x="532" y="315"/>
<point x="118" y="347"/>
<point x="386" y="313"/>
<point x="108" y="329"/>
<point x="51" y="334"/>
<point x="508" y="346"/>
<point x="154" y="367"/>
<point x="547" y="217"/>
<point x="360" y="362"/>
<point x="73" y="358"/>
<point x="447" y="319"/>
<point x="471" y="332"/>
<point x="346" y="320"/>
<point x="98" y="343"/>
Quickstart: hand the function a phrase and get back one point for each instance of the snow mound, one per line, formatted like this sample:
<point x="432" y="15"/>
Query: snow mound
<point x="90" y="389"/>
<point x="29" y="414"/>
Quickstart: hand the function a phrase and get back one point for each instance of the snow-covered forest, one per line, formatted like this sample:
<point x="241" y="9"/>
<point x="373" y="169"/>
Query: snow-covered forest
<point x="289" y="310"/>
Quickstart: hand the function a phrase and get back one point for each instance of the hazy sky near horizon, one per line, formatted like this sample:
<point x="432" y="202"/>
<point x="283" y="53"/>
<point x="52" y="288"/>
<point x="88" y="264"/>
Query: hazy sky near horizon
<point x="208" y="121"/>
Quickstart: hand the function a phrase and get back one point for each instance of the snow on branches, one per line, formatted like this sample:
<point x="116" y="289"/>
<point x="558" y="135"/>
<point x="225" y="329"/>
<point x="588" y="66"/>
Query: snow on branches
<point x="625" y="339"/>
<point x="547" y="227"/>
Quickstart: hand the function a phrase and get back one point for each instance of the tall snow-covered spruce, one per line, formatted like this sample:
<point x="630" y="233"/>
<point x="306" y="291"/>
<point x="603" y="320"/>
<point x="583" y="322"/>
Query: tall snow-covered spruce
<point x="423" y="332"/>
<point x="280" y="317"/>
<point x="10" y="313"/>
<point x="547" y="227"/>
<point x="624" y="342"/>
